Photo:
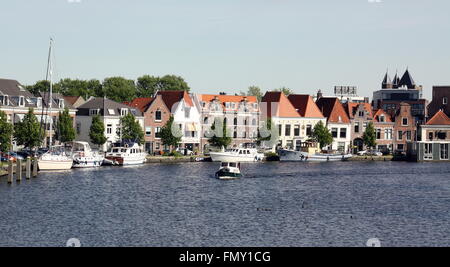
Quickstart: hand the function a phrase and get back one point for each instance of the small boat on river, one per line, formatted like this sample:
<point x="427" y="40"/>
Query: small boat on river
<point x="126" y="154"/>
<point x="237" y="155"/>
<point x="229" y="171"/>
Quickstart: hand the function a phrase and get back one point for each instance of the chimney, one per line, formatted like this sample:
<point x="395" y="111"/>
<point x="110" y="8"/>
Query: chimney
<point x="319" y="94"/>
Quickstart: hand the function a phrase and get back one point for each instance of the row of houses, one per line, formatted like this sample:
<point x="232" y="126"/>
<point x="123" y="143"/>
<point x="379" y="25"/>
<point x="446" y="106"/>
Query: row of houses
<point x="403" y="120"/>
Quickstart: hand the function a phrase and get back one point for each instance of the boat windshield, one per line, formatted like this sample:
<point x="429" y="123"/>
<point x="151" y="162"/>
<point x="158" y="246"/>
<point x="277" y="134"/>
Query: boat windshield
<point x="234" y="165"/>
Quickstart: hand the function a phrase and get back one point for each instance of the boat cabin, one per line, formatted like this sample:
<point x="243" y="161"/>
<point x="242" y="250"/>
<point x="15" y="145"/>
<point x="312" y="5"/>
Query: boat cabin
<point x="231" y="165"/>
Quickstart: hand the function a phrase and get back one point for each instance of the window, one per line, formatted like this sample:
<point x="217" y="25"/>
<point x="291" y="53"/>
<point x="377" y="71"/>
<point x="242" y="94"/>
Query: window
<point x="444" y="152"/>
<point x="148" y="131"/>
<point x="158" y="132"/>
<point x="341" y="147"/>
<point x="254" y="122"/>
<point x="78" y="127"/>
<point x="111" y="112"/>
<point x="408" y="135"/>
<point x="309" y="130"/>
<point x="61" y="103"/>
<point x="288" y="130"/>
<point x="235" y="121"/>
<point x="378" y="134"/>
<point x="388" y="134"/>
<point x="400" y="135"/>
<point x="94" y="112"/>
<point x="343" y="133"/>
<point x="21" y="101"/>
<point x="39" y="102"/>
<point x="441" y="135"/>
<point x="187" y="112"/>
<point x="109" y="129"/>
<point x="382" y="118"/>
<point x="280" y="130"/>
<point x="405" y="121"/>
<point x="431" y="136"/>
<point x="4" y="100"/>
<point x="123" y="112"/>
<point x="400" y="147"/>
<point x="428" y="154"/>
<point x="361" y="114"/>
<point x="297" y="130"/>
<point x="356" y="127"/>
<point x="445" y="101"/>
<point x="158" y="115"/>
<point x="205" y="120"/>
<point x="334" y="132"/>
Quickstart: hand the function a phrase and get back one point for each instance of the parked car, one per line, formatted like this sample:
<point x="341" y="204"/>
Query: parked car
<point x="184" y="151"/>
<point x="362" y="153"/>
<point x="7" y="156"/>
<point x="375" y="153"/>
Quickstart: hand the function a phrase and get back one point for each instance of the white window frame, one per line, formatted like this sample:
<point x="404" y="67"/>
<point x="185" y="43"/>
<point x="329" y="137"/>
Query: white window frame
<point x="446" y="147"/>
<point x="428" y="151"/>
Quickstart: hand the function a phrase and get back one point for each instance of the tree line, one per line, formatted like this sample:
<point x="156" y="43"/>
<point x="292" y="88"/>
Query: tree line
<point x="119" y="89"/>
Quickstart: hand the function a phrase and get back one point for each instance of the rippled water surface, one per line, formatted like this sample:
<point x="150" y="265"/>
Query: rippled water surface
<point x="276" y="204"/>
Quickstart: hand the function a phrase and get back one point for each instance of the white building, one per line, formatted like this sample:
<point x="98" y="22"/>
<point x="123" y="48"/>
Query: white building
<point x="338" y="123"/>
<point x="110" y="113"/>
<point x="186" y="115"/>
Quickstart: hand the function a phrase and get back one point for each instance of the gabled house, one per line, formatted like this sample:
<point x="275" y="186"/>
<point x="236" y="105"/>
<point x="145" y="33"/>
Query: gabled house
<point x="16" y="100"/>
<point x="405" y="128"/>
<point x="277" y="107"/>
<point x="110" y="113"/>
<point x="360" y="115"/>
<point x="156" y="115"/>
<point x="435" y="140"/>
<point x="241" y="114"/>
<point x="338" y="123"/>
<point x="384" y="127"/>
<point x="441" y="97"/>
<point x="310" y="115"/>
<point x="186" y="115"/>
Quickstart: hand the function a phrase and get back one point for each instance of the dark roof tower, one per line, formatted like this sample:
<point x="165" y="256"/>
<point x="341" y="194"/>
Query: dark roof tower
<point x="387" y="83"/>
<point x="407" y="81"/>
<point x="396" y="81"/>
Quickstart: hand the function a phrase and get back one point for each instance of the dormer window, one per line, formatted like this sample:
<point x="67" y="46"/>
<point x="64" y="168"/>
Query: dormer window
<point x="445" y="101"/>
<point x="61" y="103"/>
<point x="21" y="101"/>
<point x="4" y="100"/>
<point x="382" y="118"/>
<point x="39" y="102"/>
<point x="124" y="112"/>
<point x="94" y="112"/>
<point x="405" y="122"/>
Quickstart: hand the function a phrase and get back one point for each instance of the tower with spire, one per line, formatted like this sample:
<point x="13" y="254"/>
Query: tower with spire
<point x="387" y="82"/>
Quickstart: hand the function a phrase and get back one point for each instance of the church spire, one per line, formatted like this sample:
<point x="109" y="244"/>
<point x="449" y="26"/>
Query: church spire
<point x="387" y="83"/>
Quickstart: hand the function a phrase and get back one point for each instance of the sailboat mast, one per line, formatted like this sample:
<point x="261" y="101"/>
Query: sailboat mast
<point x="50" y="97"/>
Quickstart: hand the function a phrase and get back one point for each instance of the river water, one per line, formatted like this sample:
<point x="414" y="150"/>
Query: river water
<point x="276" y="204"/>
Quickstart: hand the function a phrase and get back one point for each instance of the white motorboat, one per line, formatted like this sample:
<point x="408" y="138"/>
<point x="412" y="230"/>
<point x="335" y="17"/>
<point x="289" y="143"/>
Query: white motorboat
<point x="229" y="171"/>
<point x="237" y="155"/>
<point x="309" y="151"/>
<point x="85" y="157"/>
<point x="55" y="159"/>
<point x="126" y="154"/>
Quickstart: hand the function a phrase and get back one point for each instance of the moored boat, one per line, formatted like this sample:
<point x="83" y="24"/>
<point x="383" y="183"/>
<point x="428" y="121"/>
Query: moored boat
<point x="126" y="154"/>
<point x="85" y="157"/>
<point x="55" y="159"/>
<point x="309" y="151"/>
<point x="237" y="155"/>
<point x="229" y="171"/>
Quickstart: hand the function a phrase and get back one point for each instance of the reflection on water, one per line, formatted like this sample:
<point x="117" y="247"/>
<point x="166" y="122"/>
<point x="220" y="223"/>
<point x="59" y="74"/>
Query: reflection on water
<point x="276" y="204"/>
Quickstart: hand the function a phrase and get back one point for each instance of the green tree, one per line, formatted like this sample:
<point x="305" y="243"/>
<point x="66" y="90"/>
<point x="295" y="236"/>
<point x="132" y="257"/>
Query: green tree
<point x="219" y="134"/>
<point x="254" y="91"/>
<point x="64" y="130"/>
<point x="27" y="133"/>
<point x="6" y="132"/>
<point x="173" y="83"/>
<point x="97" y="131"/>
<point x="130" y="129"/>
<point x="39" y="86"/>
<point x="95" y="88"/>
<point x="286" y="91"/>
<point x="146" y="86"/>
<point x="370" y="136"/>
<point x="119" y="89"/>
<point x="69" y="87"/>
<point x="268" y="134"/>
<point x="171" y="133"/>
<point x="322" y="135"/>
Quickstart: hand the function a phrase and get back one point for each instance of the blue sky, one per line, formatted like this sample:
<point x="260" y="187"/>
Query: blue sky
<point x="228" y="45"/>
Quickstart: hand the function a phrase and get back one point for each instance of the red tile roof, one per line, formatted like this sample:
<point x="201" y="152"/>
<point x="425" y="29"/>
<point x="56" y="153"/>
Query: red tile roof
<point x="228" y="98"/>
<point x="439" y="119"/>
<point x="333" y="110"/>
<point x="72" y="99"/>
<point x="140" y="103"/>
<point x="351" y="109"/>
<point x="284" y="108"/>
<point x="305" y="106"/>
<point x="170" y="98"/>
<point x="381" y="112"/>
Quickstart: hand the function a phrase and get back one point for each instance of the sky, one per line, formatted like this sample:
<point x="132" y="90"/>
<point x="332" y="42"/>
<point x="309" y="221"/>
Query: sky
<point x="229" y="45"/>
